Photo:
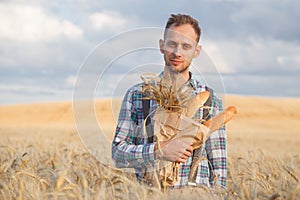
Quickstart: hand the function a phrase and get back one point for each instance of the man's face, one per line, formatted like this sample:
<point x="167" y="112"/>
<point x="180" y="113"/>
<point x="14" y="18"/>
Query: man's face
<point x="179" y="47"/>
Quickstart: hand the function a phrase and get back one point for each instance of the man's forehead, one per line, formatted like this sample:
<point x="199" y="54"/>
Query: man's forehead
<point x="181" y="33"/>
<point x="179" y="37"/>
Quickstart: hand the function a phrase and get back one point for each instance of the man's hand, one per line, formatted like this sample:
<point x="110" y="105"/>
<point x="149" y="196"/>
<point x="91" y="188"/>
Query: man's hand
<point x="174" y="150"/>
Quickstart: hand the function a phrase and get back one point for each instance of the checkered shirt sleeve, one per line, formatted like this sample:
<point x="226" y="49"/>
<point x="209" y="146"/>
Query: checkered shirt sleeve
<point x="215" y="148"/>
<point x="129" y="147"/>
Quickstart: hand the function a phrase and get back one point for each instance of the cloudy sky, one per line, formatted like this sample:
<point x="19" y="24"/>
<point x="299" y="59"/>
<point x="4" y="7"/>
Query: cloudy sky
<point x="253" y="44"/>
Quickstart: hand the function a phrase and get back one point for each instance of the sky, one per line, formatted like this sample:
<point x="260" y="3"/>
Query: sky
<point x="44" y="45"/>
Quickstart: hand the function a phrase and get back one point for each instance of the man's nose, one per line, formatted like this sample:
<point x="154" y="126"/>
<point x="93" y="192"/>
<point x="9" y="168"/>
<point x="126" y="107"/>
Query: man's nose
<point x="177" y="51"/>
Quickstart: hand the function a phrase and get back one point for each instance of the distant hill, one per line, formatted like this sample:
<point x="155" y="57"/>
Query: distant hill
<point x="268" y="123"/>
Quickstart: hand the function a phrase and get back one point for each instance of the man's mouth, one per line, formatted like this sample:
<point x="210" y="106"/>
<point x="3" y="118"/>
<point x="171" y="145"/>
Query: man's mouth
<point x="176" y="62"/>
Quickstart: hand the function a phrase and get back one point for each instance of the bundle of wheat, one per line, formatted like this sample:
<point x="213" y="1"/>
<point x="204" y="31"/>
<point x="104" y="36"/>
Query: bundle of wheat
<point x="173" y="119"/>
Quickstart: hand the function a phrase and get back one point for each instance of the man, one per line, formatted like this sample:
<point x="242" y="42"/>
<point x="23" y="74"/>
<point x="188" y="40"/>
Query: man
<point x="130" y="148"/>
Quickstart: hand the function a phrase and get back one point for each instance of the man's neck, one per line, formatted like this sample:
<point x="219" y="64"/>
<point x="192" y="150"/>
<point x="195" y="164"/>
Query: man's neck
<point x="174" y="77"/>
<point x="185" y="75"/>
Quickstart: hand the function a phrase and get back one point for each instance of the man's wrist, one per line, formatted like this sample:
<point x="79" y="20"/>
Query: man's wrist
<point x="158" y="154"/>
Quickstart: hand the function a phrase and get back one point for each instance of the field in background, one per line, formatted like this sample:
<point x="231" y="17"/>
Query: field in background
<point x="42" y="155"/>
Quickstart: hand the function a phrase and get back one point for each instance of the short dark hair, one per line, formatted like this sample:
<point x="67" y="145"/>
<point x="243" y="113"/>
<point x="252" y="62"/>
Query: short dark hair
<point x="180" y="19"/>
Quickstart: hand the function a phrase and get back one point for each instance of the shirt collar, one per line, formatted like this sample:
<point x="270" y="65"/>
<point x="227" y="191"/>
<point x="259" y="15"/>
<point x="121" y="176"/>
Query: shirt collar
<point x="191" y="81"/>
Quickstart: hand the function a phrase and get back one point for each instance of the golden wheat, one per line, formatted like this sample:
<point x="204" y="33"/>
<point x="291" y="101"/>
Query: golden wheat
<point x="61" y="172"/>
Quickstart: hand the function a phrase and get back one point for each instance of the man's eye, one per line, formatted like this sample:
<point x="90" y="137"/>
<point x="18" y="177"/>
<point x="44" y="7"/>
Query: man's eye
<point x="186" y="46"/>
<point x="171" y="44"/>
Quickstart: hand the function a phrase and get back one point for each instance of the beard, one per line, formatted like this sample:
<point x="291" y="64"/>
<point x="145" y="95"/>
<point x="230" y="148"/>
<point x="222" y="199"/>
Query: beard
<point x="180" y="70"/>
<point x="183" y="69"/>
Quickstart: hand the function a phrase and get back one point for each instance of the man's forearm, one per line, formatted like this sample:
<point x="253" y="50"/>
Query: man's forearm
<point x="133" y="156"/>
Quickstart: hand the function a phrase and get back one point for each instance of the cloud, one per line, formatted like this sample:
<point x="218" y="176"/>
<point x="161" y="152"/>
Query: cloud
<point x="276" y="19"/>
<point x="43" y="43"/>
<point x="254" y="55"/>
<point x="289" y="60"/>
<point x="31" y="23"/>
<point x="273" y="85"/>
<point x="106" y="20"/>
<point x="215" y="52"/>
<point x="26" y="89"/>
<point x="70" y="81"/>
<point x="16" y="94"/>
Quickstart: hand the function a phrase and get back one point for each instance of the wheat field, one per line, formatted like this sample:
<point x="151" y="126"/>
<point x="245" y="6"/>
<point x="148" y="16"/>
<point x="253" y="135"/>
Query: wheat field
<point x="43" y="157"/>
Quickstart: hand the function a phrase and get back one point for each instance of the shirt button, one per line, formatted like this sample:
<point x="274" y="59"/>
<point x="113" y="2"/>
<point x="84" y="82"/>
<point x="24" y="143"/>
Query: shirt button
<point x="140" y="161"/>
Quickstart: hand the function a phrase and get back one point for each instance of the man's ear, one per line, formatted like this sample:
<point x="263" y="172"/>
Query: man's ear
<point x="161" y="46"/>
<point x="198" y="50"/>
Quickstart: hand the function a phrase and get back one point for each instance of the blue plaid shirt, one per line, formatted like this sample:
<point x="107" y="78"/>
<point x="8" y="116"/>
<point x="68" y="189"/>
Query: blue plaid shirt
<point x="130" y="148"/>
